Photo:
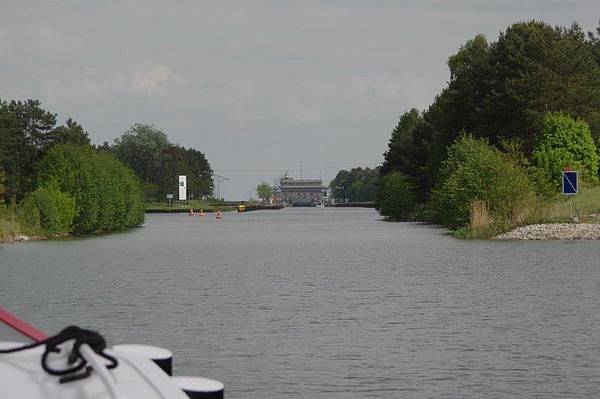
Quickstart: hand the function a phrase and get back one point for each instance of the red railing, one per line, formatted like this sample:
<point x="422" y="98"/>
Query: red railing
<point x="17" y="324"/>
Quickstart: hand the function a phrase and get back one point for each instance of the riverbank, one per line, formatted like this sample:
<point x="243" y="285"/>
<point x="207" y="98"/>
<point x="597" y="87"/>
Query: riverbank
<point x="557" y="218"/>
<point x="553" y="231"/>
<point x="19" y="238"/>
<point x="553" y="221"/>
<point x="11" y="231"/>
<point x="196" y="205"/>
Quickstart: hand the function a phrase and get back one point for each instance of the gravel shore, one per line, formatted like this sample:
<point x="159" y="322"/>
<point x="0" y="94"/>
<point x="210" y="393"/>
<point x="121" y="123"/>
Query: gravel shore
<point x="19" y="238"/>
<point x="554" y="231"/>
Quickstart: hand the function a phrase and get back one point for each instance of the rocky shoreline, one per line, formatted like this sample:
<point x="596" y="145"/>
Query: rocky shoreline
<point x="548" y="231"/>
<point x="20" y="238"/>
<point x="554" y="231"/>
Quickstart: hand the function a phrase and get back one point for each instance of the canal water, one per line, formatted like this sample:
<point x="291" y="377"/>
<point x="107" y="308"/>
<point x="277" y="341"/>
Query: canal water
<point x="327" y="303"/>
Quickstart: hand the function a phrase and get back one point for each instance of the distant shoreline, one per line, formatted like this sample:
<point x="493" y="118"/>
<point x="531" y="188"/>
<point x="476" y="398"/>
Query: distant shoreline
<point x="532" y="232"/>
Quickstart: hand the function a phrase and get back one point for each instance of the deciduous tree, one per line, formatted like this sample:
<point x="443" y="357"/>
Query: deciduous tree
<point x="355" y="185"/>
<point x="566" y="142"/>
<point x="264" y="191"/>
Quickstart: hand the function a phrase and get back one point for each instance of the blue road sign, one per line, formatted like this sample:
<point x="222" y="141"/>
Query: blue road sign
<point x="570" y="182"/>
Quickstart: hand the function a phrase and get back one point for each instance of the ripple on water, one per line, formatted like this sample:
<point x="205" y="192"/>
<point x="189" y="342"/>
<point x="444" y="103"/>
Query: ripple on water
<point x="328" y="303"/>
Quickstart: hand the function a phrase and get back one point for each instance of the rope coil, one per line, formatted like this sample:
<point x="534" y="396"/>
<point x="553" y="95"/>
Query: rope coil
<point x="80" y="336"/>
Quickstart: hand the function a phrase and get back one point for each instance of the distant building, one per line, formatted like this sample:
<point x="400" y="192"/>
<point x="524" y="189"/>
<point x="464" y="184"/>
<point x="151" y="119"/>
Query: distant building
<point x="300" y="192"/>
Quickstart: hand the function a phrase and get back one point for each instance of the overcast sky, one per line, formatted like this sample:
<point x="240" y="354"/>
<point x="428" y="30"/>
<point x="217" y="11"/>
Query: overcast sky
<point x="255" y="85"/>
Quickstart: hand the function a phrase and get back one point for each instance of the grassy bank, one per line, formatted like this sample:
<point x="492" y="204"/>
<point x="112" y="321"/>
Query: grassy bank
<point x="207" y="206"/>
<point x="584" y="206"/>
<point x="10" y="228"/>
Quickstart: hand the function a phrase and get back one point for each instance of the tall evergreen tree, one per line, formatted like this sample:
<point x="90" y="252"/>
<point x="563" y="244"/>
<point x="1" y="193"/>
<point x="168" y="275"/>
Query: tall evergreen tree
<point x="504" y="89"/>
<point x="411" y="151"/>
<point x="24" y="137"/>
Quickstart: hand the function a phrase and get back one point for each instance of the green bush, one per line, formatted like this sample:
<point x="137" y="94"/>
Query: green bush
<point x="107" y="193"/>
<point x="512" y="151"/>
<point x="48" y="209"/>
<point x="544" y="188"/>
<point x="395" y="197"/>
<point x="565" y="142"/>
<point x="475" y="171"/>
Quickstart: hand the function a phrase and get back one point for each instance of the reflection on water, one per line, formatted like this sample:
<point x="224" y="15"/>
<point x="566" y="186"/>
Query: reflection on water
<point x="328" y="303"/>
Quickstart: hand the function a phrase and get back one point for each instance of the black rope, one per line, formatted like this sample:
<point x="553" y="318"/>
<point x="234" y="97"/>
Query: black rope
<point x="80" y="336"/>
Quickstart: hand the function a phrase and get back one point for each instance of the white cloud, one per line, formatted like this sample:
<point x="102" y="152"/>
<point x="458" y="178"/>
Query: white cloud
<point x="273" y="75"/>
<point x="149" y="79"/>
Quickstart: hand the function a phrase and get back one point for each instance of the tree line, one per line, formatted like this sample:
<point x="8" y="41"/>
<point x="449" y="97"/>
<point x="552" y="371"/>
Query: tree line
<point x="158" y="162"/>
<point x="355" y="185"/>
<point x="56" y="181"/>
<point x="27" y="132"/>
<point x="82" y="190"/>
<point x="514" y="113"/>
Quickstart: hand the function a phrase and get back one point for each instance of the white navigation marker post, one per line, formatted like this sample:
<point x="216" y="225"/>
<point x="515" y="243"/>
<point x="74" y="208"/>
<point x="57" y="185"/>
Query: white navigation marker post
<point x="182" y="188"/>
<point x="570" y="186"/>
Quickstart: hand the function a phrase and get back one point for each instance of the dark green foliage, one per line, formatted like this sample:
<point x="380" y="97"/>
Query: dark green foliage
<point x="594" y="40"/>
<point x="158" y="162"/>
<point x="458" y="106"/>
<point x="48" y="209"/>
<point x="27" y="132"/>
<point x="401" y="136"/>
<point x="72" y="133"/>
<point x="565" y="142"/>
<point x="501" y="91"/>
<point x="24" y="128"/>
<point x="177" y="160"/>
<point x="2" y="186"/>
<point x="395" y="198"/>
<point x="411" y="152"/>
<point x="140" y="148"/>
<point x="62" y="164"/>
<point x="475" y="171"/>
<point x="504" y="89"/>
<point x="356" y="185"/>
<point x="107" y="194"/>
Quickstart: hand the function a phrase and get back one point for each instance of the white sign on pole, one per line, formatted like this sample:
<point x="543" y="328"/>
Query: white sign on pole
<point x="182" y="188"/>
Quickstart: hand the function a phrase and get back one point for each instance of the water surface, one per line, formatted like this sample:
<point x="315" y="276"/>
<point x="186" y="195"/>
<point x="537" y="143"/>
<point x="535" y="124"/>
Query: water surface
<point x="327" y="303"/>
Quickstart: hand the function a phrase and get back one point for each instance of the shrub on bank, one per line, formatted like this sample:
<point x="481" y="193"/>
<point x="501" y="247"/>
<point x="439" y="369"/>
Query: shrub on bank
<point x="566" y="142"/>
<point x="476" y="175"/>
<point x="48" y="209"/>
<point x="9" y="225"/>
<point x="107" y="193"/>
<point x="395" y="197"/>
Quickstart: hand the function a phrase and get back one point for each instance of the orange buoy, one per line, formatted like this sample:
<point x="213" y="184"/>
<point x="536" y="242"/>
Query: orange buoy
<point x="201" y="212"/>
<point x="219" y="215"/>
